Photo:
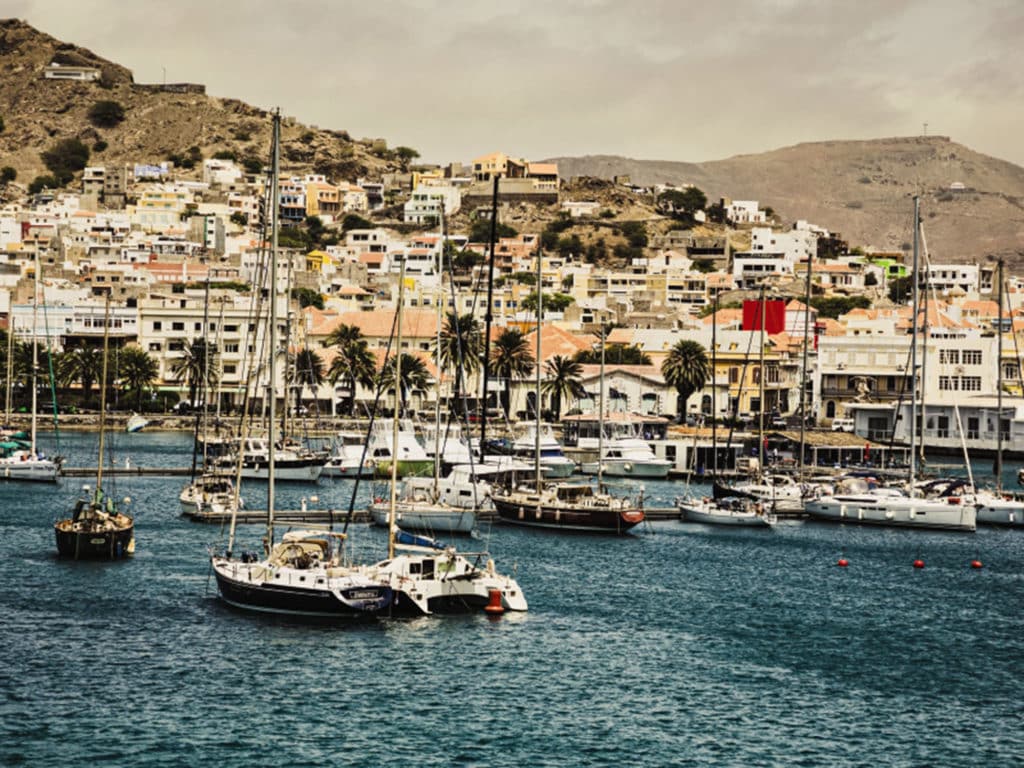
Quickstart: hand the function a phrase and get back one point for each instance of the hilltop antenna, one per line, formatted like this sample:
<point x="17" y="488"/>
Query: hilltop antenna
<point x="926" y="129"/>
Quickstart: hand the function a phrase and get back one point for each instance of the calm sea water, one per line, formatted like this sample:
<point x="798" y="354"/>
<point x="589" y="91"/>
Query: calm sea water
<point x="680" y="645"/>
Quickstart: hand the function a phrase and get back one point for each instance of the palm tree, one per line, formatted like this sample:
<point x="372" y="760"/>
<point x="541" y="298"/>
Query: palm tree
<point x="194" y="370"/>
<point x="510" y="357"/>
<point x="461" y="348"/>
<point x="83" y="364"/>
<point x="563" y="381"/>
<point x="307" y="371"/>
<point x="137" y="371"/>
<point x="355" y="363"/>
<point x="414" y="375"/>
<point x="686" y="368"/>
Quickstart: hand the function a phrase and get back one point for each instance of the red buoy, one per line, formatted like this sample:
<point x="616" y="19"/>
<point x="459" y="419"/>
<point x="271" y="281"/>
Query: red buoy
<point x="975" y="564"/>
<point x="843" y="562"/>
<point x="494" y="606"/>
<point x="919" y="563"/>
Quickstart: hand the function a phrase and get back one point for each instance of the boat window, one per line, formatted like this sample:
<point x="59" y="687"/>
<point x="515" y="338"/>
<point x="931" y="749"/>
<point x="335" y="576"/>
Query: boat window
<point x="428" y="569"/>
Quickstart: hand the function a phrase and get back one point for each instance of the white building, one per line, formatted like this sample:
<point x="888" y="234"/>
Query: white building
<point x="744" y="212"/>
<point x="427" y="203"/>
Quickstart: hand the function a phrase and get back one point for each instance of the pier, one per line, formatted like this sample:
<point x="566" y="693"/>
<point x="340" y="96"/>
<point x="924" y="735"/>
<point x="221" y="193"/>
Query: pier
<point x="130" y="470"/>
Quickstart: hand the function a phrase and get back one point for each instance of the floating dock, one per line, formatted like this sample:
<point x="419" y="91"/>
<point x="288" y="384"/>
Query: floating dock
<point x="122" y="471"/>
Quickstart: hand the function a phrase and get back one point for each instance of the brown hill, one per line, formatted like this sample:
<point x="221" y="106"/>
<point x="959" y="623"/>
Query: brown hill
<point x="160" y="120"/>
<point x="862" y="190"/>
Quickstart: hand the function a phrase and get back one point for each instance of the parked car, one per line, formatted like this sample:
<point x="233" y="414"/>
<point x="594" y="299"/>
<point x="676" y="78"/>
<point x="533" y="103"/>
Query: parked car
<point x="842" y="425"/>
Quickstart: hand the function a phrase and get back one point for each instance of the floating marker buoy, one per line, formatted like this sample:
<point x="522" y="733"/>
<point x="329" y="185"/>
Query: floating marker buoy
<point x="842" y="562"/>
<point x="494" y="606"/>
<point x="976" y="564"/>
<point x="919" y="563"/>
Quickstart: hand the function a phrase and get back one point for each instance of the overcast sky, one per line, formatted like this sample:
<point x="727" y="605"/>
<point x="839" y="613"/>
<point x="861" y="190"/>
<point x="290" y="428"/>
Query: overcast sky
<point x="650" y="79"/>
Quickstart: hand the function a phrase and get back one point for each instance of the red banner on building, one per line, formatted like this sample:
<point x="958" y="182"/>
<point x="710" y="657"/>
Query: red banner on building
<point x="774" y="315"/>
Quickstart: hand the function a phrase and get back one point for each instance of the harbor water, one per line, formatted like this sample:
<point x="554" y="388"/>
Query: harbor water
<point x="677" y="645"/>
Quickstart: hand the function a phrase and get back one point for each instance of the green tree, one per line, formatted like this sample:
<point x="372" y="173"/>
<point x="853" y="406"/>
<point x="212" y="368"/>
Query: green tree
<point x="355" y="221"/>
<point x="307" y="370"/>
<point x="461" y="348"/>
<point x="682" y="204"/>
<point x="65" y="158"/>
<point x="2" y="126"/>
<point x="100" y="146"/>
<point x="39" y="183"/>
<point x="553" y="302"/>
<point x="106" y="114"/>
<point x="8" y="174"/>
<point x="834" y="306"/>
<point x="137" y="371"/>
<point x="405" y="156"/>
<point x="354" y="363"/>
<point x="900" y="289"/>
<point x="480" y="231"/>
<point x="686" y="368"/>
<point x="198" y="368"/>
<point x="414" y="376"/>
<point x="615" y="354"/>
<point x="562" y="382"/>
<point x="510" y="358"/>
<point x="239" y="218"/>
<point x="307" y="297"/>
<point x="82" y="364"/>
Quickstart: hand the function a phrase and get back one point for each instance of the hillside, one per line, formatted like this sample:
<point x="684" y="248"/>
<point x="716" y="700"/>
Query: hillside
<point x="861" y="189"/>
<point x="37" y="112"/>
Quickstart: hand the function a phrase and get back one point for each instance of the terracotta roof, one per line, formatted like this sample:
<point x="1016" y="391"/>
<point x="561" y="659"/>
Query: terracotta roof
<point x="416" y="323"/>
<point x="556" y="341"/>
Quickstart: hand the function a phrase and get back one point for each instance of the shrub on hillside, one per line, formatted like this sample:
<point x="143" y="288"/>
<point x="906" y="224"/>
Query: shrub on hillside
<point x="65" y="158"/>
<point x="39" y="183"/>
<point x="99" y="146"/>
<point x="106" y="114"/>
<point x="8" y="174"/>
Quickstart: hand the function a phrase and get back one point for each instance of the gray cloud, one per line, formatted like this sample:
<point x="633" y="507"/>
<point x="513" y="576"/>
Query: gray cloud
<point x="659" y="79"/>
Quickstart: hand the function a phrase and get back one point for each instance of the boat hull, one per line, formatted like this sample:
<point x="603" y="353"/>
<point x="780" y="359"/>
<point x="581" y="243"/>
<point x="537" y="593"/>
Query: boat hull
<point x="903" y="513"/>
<point x="245" y="586"/>
<point x="568" y="518"/>
<point x="348" y="470"/>
<point x="698" y="513"/>
<point x="427" y="518"/>
<point x="297" y="471"/>
<point x="636" y="469"/>
<point x="32" y="471"/>
<point x="1003" y="513"/>
<point x="114" y="544"/>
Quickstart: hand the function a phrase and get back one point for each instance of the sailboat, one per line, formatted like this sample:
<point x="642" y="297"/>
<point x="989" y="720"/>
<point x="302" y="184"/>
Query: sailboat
<point x="305" y="573"/>
<point x="565" y="506"/>
<point x="97" y="530"/>
<point x="18" y="460"/>
<point x="418" y="504"/>
<point x="888" y="506"/>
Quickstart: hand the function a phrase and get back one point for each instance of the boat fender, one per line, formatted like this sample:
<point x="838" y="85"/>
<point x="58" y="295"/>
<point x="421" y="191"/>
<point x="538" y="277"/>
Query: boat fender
<point x="628" y="467"/>
<point x="954" y="499"/>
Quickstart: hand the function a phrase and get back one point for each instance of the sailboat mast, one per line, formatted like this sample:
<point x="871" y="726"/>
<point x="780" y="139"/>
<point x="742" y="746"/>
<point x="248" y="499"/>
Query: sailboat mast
<point x="103" y="396"/>
<point x="488" y="317"/>
<point x="999" y="386"/>
<point x="35" y="351"/>
<point x="392" y="514"/>
<point x="600" y="414"/>
<point x="536" y="402"/>
<point x="437" y="391"/>
<point x="913" y="352"/>
<point x="271" y="377"/>
<point x="803" y="373"/>
<point x="714" y="389"/>
<point x="10" y="371"/>
<point x="760" y="389"/>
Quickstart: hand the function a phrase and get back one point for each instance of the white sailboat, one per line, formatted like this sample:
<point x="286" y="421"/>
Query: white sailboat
<point x="18" y="461"/>
<point x="305" y="574"/>
<point x="892" y="507"/>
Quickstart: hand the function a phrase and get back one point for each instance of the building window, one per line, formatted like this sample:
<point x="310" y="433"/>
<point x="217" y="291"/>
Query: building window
<point x="158" y="326"/>
<point x="972" y="357"/>
<point x="177" y="326"/>
<point x="950" y="356"/>
<point x="970" y="383"/>
<point x="155" y="346"/>
<point x="947" y="383"/>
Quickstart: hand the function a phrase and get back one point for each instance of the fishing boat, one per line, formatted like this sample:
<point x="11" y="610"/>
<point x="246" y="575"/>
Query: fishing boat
<point x="304" y="574"/>
<point x="97" y="530"/>
<point x="136" y="423"/>
<point x="412" y="456"/>
<point x="725" y="511"/>
<point x="347" y="458"/>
